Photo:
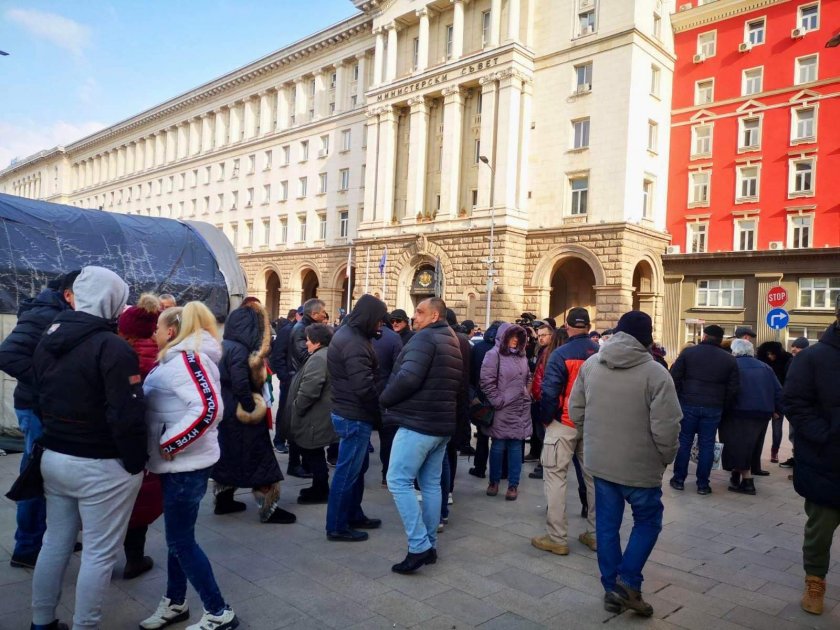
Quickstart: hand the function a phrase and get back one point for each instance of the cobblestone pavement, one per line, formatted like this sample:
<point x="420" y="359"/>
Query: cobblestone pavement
<point x="722" y="562"/>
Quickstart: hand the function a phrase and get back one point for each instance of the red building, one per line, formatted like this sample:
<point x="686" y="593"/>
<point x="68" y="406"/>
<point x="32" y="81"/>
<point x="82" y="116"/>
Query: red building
<point x="754" y="180"/>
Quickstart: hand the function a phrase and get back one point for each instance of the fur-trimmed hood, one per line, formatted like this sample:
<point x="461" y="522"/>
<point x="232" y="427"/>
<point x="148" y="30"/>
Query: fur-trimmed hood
<point x="249" y="325"/>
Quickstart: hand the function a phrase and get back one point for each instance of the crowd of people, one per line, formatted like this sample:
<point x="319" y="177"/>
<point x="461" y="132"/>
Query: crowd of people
<point x="131" y="411"/>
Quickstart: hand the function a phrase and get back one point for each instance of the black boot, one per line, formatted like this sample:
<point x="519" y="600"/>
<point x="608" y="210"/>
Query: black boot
<point x="136" y="562"/>
<point x="55" y="625"/>
<point x="281" y="517"/>
<point x="747" y="486"/>
<point x="226" y="505"/>
<point x="414" y="561"/>
<point x="734" y="480"/>
<point x="313" y="496"/>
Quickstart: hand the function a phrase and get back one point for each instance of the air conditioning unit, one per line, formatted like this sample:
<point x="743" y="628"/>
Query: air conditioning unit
<point x="584" y="88"/>
<point x="797" y="33"/>
<point x="672" y="249"/>
<point x="776" y="245"/>
<point x="699" y="58"/>
<point x="745" y="47"/>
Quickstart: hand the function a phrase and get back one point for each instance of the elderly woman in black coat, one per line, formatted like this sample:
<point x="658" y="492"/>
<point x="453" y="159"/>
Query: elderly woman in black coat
<point x="247" y="457"/>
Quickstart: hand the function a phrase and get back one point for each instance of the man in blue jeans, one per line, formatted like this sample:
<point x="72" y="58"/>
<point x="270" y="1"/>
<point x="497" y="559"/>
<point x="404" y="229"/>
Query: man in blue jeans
<point x="627" y="405"/>
<point x="16" y="352"/>
<point x="706" y="378"/>
<point x="422" y="400"/>
<point x="356" y="386"/>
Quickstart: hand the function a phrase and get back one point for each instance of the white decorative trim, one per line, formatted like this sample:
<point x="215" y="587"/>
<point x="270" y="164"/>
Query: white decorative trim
<point x="715" y="12"/>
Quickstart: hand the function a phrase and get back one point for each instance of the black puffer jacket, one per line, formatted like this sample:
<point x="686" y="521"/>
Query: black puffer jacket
<point x="278" y="360"/>
<point x="297" y="352"/>
<point x="812" y="404"/>
<point x="706" y="375"/>
<point x="481" y="348"/>
<point x="352" y="362"/>
<point x="422" y="394"/>
<point x="18" y="349"/>
<point x="387" y="348"/>
<point x="89" y="393"/>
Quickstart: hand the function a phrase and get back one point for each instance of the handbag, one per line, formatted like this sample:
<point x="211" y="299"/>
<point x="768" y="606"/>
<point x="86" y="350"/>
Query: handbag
<point x="30" y="482"/>
<point x="694" y="454"/>
<point x="481" y="410"/>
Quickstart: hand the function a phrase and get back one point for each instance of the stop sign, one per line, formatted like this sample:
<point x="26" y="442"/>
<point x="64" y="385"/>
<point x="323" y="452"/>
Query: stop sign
<point x="777" y="297"/>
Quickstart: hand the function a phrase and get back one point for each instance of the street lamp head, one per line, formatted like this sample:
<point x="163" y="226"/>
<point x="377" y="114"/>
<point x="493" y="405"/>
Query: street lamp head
<point x="831" y="43"/>
<point x="484" y="159"/>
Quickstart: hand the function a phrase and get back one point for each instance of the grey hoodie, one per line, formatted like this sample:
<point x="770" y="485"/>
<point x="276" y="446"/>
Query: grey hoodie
<point x="100" y="292"/>
<point x="627" y="405"/>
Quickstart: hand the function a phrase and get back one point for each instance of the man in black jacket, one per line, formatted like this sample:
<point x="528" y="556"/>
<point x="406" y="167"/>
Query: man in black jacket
<point x="16" y="354"/>
<point x="422" y="400"/>
<point x="91" y="403"/>
<point x="812" y="404"/>
<point x="387" y="348"/>
<point x="355" y="410"/>
<point x="706" y="378"/>
<point x="401" y="325"/>
<point x="482" y="442"/>
<point x="279" y="362"/>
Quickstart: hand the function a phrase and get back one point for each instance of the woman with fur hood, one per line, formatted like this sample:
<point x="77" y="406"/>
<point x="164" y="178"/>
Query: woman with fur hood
<point x="247" y="459"/>
<point x="504" y="380"/>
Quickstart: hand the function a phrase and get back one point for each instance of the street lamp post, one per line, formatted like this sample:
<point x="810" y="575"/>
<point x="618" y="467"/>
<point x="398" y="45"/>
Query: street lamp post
<point x="491" y="271"/>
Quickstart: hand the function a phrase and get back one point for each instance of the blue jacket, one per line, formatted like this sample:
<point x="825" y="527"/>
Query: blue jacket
<point x="759" y="393"/>
<point x="387" y="349"/>
<point x="706" y="375"/>
<point x="561" y="372"/>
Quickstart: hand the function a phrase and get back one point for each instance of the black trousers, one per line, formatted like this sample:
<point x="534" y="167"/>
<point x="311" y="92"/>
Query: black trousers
<point x="135" y="543"/>
<point x="386" y="440"/>
<point x="315" y="460"/>
<point x="452" y="456"/>
<point x="537" y="430"/>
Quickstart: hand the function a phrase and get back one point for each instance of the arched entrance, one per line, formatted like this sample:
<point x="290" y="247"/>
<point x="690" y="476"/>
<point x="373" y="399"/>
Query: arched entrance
<point x="572" y="284"/>
<point x="309" y="285"/>
<point x="425" y="284"/>
<point x="272" y="294"/>
<point x="643" y="288"/>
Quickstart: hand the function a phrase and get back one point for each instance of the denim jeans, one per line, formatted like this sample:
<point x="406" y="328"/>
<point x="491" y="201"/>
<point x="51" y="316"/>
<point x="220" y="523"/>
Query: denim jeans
<point x="417" y="456"/>
<point x="182" y="494"/>
<point x="647" y="507"/>
<point x="514" y="459"/>
<point x="445" y="486"/>
<point x="703" y="422"/>
<point x="31" y="514"/>
<point x="348" y="483"/>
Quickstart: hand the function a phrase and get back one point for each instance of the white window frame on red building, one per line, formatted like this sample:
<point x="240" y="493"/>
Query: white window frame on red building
<point x="799" y="17"/>
<point x="793" y="176"/>
<point x="703" y="46"/>
<point x="692" y="203"/>
<point x="741" y="179"/>
<point x="699" y="229"/>
<point x="795" y="138"/>
<point x="711" y="127"/>
<point x="761" y="24"/>
<point x="746" y="81"/>
<point x="739" y="232"/>
<point x="697" y="88"/>
<point x="742" y="121"/>
<point x="797" y="69"/>
<point x="792" y="227"/>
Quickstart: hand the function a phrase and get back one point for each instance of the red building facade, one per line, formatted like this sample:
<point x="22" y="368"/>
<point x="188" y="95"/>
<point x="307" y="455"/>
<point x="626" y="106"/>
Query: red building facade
<point x="754" y="181"/>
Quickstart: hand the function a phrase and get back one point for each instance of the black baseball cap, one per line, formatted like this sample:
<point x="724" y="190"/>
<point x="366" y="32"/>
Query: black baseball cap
<point x="714" y="331"/>
<point x="578" y="317"/>
<point x="399" y="315"/>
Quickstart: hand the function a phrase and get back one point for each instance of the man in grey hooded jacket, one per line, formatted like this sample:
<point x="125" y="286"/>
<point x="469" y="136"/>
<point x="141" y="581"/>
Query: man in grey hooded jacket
<point x="627" y="406"/>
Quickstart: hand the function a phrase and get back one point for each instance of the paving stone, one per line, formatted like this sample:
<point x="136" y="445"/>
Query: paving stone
<point x="526" y="582"/>
<point x="699" y="619"/>
<point x="401" y="608"/>
<point x="757" y="620"/>
<point x="712" y="606"/>
<point x="748" y="598"/>
<point x="465" y="607"/>
<point x="475" y="585"/>
<point x="510" y="621"/>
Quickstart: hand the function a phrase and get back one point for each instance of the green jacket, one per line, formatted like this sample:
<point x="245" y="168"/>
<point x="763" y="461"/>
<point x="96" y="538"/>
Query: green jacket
<point x="306" y="418"/>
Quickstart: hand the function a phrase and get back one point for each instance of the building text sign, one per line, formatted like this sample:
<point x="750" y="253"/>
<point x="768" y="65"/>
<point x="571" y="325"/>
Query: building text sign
<point x="440" y="78"/>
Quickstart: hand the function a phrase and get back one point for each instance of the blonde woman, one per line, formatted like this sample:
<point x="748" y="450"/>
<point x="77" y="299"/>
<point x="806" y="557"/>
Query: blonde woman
<point x="183" y="407"/>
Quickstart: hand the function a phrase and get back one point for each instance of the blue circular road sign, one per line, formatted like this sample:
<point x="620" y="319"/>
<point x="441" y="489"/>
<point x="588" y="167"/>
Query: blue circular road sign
<point x="778" y="318"/>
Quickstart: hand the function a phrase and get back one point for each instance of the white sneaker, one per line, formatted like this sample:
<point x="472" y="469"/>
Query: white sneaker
<point x="226" y="621"/>
<point x="450" y="501"/>
<point x="166" y="614"/>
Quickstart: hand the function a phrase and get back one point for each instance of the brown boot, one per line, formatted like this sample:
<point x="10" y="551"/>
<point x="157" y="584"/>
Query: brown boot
<point x="624" y="597"/>
<point x="812" y="598"/>
<point x="511" y="494"/>
<point x="492" y="489"/>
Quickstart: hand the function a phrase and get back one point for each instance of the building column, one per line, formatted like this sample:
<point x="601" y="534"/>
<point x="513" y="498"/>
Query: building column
<point x="193" y="136"/>
<point x="249" y="119"/>
<point x="514" y="13"/>
<point x="360" y="83"/>
<point x="611" y="302"/>
<point x="219" y="117"/>
<point x="284" y="107"/>
<point x="508" y="140"/>
<point x="378" y="56"/>
<point x="765" y="282"/>
<point x="423" y="39"/>
<point x="319" y="100"/>
<point x="450" y="170"/>
<point x="150" y="145"/>
<point x="235" y="132"/>
<point x="387" y="164"/>
<point x="300" y="101"/>
<point x="458" y="29"/>
<point x="417" y="150"/>
<point x="340" y="87"/>
<point x="391" y="65"/>
<point x="489" y="96"/>
<point x="121" y="161"/>
<point x="372" y="131"/>
<point x="206" y="142"/>
<point x="495" y="22"/>
<point x="672" y="337"/>
<point x="97" y="161"/>
<point x="182" y="140"/>
<point x="525" y="143"/>
<point x="266" y="112"/>
<point x="160" y="147"/>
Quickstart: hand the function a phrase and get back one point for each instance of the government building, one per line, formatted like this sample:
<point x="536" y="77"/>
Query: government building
<point x="453" y="146"/>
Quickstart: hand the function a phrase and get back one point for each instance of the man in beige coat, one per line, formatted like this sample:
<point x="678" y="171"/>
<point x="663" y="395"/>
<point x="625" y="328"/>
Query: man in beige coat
<point x="627" y="406"/>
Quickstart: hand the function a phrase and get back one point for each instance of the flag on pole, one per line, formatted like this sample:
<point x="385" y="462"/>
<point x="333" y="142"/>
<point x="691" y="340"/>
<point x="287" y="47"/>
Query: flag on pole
<point x="349" y="261"/>
<point x="438" y="278"/>
<point x="383" y="261"/>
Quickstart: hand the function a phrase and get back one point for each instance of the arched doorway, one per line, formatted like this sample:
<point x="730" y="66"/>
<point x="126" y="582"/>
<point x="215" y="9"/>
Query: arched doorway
<point x="345" y="288"/>
<point x="425" y="284"/>
<point x="309" y="285"/>
<point x="572" y="284"/>
<point x="272" y="294"/>
<point x="643" y="287"/>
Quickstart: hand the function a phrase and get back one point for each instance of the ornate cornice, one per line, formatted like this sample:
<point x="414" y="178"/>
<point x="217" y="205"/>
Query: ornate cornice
<point x="707" y="14"/>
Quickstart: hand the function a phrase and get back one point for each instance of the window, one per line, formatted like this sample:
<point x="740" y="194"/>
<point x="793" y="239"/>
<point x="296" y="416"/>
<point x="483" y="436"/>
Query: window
<point x="267" y="161"/>
<point x="809" y="17"/>
<point x="655" y="74"/>
<point x="474" y="198"/>
<point x="355" y="72"/>
<point x="312" y="87"/>
<point x="799" y="231"/>
<point x="180" y="209"/>
<point x="194" y="178"/>
<point x="304" y="150"/>
<point x="353" y="100"/>
<point x="653" y="135"/>
<point x="344" y="179"/>
<point x="754" y="32"/>
<point x="302" y="185"/>
<point x="325" y="146"/>
<point x="701" y="140"/>
<point x="266" y="232"/>
<point x="750" y="133"/>
<point x="647" y="198"/>
<point x="170" y="183"/>
<point x="704" y="92"/>
<point x="657" y="26"/>
<point x="322" y="183"/>
<point x="322" y="227"/>
<point x="485" y="29"/>
<point x="207" y="170"/>
<point x="586" y="20"/>
<point x="249" y="197"/>
<point x="696" y="237"/>
<point x="284" y="231"/>
<point x="580" y="129"/>
<point x="235" y="168"/>
<point x="803" y="127"/>
<point x="345" y="140"/>
<point x="333" y="80"/>
<point x="450" y="36"/>
<point x="415" y="55"/>
<point x="249" y="234"/>
<point x="801" y="177"/>
<point x="745" y="234"/>
<point x="698" y="188"/>
<point x="747" y="185"/>
<point x="580" y="194"/>
<point x="751" y="81"/>
<point x="707" y="44"/>
<point x="205" y="205"/>
<point x="287" y="153"/>
<point x="583" y="76"/>
<point x="252" y="164"/>
<point x="266" y="194"/>
<point x="302" y="228"/>
<point x="720" y="293"/>
<point x="343" y="224"/>
<point x="181" y="181"/>
<point x="806" y="70"/>
<point x="220" y="202"/>
<point x="818" y="292"/>
<point x="476" y="150"/>
<point x="284" y="190"/>
<point x="234" y="200"/>
<point x="234" y="234"/>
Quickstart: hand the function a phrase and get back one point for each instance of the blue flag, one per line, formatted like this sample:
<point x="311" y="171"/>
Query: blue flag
<point x="383" y="261"/>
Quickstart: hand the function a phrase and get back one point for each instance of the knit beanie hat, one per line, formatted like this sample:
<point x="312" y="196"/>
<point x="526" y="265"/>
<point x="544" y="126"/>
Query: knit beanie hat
<point x="140" y="321"/>
<point x="638" y="325"/>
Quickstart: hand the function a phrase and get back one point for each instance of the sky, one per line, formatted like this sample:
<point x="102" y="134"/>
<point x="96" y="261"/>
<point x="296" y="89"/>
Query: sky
<point x="76" y="66"/>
